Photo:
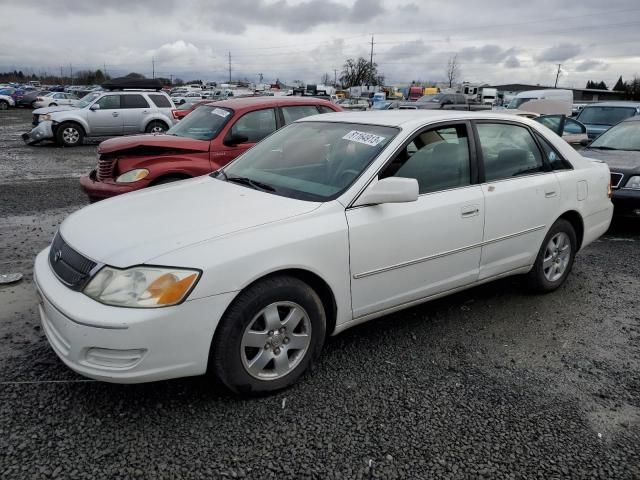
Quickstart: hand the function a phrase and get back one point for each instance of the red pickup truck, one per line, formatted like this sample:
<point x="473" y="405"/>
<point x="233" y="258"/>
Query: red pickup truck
<point x="207" y="139"/>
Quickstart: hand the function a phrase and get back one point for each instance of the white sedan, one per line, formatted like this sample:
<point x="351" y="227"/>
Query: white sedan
<point x="327" y="223"/>
<point x="187" y="97"/>
<point x="54" y="99"/>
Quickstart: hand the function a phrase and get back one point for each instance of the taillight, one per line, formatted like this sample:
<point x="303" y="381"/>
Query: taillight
<point x="175" y="114"/>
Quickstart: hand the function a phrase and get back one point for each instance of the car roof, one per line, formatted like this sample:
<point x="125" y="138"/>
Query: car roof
<point x="409" y="118"/>
<point x="620" y="103"/>
<point x="252" y="102"/>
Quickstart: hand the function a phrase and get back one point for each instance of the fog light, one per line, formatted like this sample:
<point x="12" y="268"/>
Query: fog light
<point x="106" y="357"/>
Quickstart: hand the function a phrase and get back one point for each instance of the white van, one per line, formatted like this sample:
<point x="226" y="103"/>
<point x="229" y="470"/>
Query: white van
<point x="558" y="95"/>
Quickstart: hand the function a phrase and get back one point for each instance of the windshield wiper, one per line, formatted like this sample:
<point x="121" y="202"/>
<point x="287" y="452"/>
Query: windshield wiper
<point x="256" y="185"/>
<point x="604" y="148"/>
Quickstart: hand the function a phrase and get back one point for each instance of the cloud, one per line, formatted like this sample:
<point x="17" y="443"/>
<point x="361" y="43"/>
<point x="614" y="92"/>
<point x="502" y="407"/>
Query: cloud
<point x="83" y="7"/>
<point x="559" y="53"/>
<point x="486" y="53"/>
<point x="591" y="65"/>
<point x="233" y="17"/>
<point x="512" y="62"/>
<point x="411" y="49"/>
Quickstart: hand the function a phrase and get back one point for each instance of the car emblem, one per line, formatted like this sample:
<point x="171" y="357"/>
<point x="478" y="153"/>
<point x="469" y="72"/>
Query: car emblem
<point x="57" y="256"/>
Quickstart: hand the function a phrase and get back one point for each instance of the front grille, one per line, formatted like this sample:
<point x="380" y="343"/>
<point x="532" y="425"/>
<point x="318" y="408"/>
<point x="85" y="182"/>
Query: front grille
<point x="616" y="178"/>
<point x="105" y="168"/>
<point x="70" y="267"/>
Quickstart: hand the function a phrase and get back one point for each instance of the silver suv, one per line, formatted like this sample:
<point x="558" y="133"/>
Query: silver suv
<point x="103" y="114"/>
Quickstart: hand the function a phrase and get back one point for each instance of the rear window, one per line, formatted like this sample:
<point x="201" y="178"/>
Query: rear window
<point x="134" y="101"/>
<point x="605" y="115"/>
<point x="161" y="101"/>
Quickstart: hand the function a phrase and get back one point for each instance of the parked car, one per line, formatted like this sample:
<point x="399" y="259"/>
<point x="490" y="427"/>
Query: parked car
<point x="327" y="223"/>
<point x="444" y="101"/>
<point x="6" y="101"/>
<point x="354" y="104"/>
<point x="208" y="138"/>
<point x="571" y="131"/>
<point x="619" y="147"/>
<point x="386" y="105"/>
<point x="186" y="108"/>
<point x="556" y="94"/>
<point x="102" y="114"/>
<point x="27" y="99"/>
<point x="599" y="117"/>
<point x="53" y="99"/>
<point x="187" y="97"/>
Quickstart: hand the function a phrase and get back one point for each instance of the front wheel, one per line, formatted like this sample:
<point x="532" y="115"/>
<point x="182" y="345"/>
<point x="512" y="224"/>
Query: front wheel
<point x="555" y="258"/>
<point x="269" y="336"/>
<point x="69" y="134"/>
<point x="4" y="105"/>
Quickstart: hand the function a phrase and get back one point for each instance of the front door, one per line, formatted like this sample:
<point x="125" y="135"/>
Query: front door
<point x="401" y="253"/>
<point x="522" y="197"/>
<point x="107" y="120"/>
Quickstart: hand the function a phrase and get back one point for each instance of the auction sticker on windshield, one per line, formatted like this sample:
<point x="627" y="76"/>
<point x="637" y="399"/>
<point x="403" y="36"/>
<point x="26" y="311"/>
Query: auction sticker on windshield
<point x="364" y="138"/>
<point x="220" y="112"/>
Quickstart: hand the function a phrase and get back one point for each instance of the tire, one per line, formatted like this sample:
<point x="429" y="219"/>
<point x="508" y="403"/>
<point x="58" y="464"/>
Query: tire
<point x="4" y="105"/>
<point x="156" y="126"/>
<point x="552" y="266"/>
<point x="69" y="134"/>
<point x="238" y="342"/>
<point x="53" y="104"/>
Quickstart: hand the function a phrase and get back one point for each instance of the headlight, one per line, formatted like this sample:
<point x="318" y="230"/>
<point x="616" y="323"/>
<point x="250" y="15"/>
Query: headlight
<point x="141" y="287"/>
<point x="133" y="175"/>
<point x="44" y="118"/>
<point x="633" y="182"/>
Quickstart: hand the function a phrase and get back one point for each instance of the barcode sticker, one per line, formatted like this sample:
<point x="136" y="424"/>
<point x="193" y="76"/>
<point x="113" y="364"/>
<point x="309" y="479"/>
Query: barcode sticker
<point x="220" y="112"/>
<point x="363" y="137"/>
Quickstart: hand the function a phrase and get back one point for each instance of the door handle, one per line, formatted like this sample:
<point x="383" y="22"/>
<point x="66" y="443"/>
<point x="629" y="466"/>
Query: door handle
<point x="145" y="111"/>
<point x="469" y="211"/>
<point x="550" y="194"/>
<point x="115" y="114"/>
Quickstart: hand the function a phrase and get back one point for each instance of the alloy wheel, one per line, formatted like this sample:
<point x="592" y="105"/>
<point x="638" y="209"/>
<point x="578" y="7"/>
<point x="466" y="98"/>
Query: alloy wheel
<point x="556" y="257"/>
<point x="70" y="135"/>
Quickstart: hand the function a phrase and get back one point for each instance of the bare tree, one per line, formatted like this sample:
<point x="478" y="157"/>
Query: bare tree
<point x="359" y="72"/>
<point x="453" y="70"/>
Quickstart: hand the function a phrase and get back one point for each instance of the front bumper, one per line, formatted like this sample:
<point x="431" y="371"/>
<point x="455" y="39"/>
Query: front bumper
<point x="43" y="131"/>
<point x="126" y="345"/>
<point x="97" y="190"/>
<point x="626" y="202"/>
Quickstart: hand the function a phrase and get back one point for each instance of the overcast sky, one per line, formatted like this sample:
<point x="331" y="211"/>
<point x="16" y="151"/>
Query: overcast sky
<point x="496" y="42"/>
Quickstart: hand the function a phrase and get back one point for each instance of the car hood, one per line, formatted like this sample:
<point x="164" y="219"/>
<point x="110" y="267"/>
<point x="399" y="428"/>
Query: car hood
<point x="170" y="142"/>
<point x="135" y="228"/>
<point x="59" y="108"/>
<point x="616" y="159"/>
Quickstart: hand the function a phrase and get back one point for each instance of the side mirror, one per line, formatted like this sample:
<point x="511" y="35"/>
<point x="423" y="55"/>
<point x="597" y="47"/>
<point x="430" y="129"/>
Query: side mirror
<point x="389" y="190"/>
<point x="94" y="107"/>
<point x="585" y="142"/>
<point x="234" y="139"/>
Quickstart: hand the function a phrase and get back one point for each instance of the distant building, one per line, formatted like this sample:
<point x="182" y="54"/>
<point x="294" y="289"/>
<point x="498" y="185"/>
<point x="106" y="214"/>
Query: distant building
<point x="579" y="94"/>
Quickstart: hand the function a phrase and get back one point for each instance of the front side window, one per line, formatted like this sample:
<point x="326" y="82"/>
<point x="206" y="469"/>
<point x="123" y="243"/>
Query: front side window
<point x="255" y="125"/>
<point x="134" y="101"/>
<point x="291" y="114"/>
<point x="438" y="159"/>
<point x="312" y="160"/>
<point x="508" y="151"/>
<point x="109" y="102"/>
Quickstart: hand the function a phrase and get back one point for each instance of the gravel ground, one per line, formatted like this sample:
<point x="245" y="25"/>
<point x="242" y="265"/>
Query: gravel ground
<point x="489" y="383"/>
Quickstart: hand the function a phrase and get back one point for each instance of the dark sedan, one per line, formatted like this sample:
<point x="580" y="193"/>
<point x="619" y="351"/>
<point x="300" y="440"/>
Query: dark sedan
<point x="28" y="98"/>
<point x="619" y="147"/>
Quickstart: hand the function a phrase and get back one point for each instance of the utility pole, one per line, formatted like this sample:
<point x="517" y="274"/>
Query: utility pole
<point x="558" y="75"/>
<point x="229" y="66"/>
<point x="371" y="63"/>
<point x="335" y="77"/>
<point x="153" y="67"/>
<point x="71" y="73"/>
<point x="104" y="65"/>
<point x="171" y="79"/>
<point x="61" y="82"/>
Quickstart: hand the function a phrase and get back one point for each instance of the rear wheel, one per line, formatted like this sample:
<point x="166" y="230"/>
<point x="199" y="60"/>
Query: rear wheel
<point x="269" y="336"/>
<point x="53" y="104"/>
<point x="156" y="127"/>
<point x="4" y="105"/>
<point x="555" y="258"/>
<point x="69" y="134"/>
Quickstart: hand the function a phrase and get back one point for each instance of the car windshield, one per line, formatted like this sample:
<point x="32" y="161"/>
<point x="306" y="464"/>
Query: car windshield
<point x="381" y="105"/>
<point x="624" y="136"/>
<point x="204" y="123"/>
<point x="430" y="98"/>
<point x="87" y="99"/>
<point x="313" y="161"/>
<point x="516" y="102"/>
<point x="600" y="115"/>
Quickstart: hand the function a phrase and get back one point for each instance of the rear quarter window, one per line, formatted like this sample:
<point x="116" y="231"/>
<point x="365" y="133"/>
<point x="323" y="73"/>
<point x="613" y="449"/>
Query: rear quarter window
<point x="160" y="101"/>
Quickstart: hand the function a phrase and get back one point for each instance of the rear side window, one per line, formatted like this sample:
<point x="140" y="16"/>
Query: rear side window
<point x="291" y="114"/>
<point x="508" y="151"/>
<point x="161" y="101"/>
<point x="134" y="101"/>
<point x="324" y="109"/>
<point x="552" y="156"/>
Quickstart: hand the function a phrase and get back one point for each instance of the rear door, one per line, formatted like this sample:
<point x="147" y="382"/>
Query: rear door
<point x="107" y="120"/>
<point x="522" y="196"/>
<point x="135" y="111"/>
